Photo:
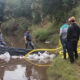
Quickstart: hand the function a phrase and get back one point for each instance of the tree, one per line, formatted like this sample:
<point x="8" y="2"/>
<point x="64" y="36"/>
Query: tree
<point x="2" y="6"/>
<point x="58" y="8"/>
<point x="26" y="8"/>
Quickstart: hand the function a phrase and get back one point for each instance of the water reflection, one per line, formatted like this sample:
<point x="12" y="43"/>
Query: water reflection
<point x="28" y="71"/>
<point x="17" y="74"/>
<point x="2" y="69"/>
<point x="1" y="72"/>
<point x="20" y="70"/>
<point x="36" y="73"/>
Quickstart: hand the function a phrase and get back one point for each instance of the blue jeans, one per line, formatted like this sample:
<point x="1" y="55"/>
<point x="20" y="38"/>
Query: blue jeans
<point x="29" y="43"/>
<point x="64" y="44"/>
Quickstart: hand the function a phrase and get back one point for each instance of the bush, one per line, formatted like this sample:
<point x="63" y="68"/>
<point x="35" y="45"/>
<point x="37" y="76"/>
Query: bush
<point x="37" y="18"/>
<point x="42" y="35"/>
<point x="15" y="26"/>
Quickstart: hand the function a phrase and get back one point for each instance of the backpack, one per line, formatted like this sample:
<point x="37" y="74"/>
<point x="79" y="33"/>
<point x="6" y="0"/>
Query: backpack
<point x="28" y="37"/>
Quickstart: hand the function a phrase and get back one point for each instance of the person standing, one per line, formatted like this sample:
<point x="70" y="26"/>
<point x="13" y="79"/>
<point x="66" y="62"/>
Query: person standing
<point x="28" y="40"/>
<point x="63" y="37"/>
<point x="2" y="43"/>
<point x="72" y="39"/>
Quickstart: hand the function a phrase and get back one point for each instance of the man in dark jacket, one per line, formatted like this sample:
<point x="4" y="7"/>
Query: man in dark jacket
<point x="72" y="39"/>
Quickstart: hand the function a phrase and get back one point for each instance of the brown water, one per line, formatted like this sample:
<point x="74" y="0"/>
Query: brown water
<point x="19" y="69"/>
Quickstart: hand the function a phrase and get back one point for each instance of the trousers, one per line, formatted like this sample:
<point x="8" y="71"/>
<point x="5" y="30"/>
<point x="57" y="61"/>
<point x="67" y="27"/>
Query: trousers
<point x="72" y="50"/>
<point x="29" y="43"/>
<point x="64" y="45"/>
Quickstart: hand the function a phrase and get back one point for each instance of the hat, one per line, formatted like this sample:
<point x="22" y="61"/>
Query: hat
<point x="71" y="19"/>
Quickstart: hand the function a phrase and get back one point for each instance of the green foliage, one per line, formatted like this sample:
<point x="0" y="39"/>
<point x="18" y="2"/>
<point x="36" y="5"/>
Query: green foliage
<point x="45" y="33"/>
<point x="26" y="8"/>
<point x="2" y="6"/>
<point x="58" y="8"/>
<point x="36" y="18"/>
<point x="62" y="70"/>
<point x="54" y="39"/>
<point x="77" y="14"/>
<point x="42" y="35"/>
<point x="37" y="10"/>
<point x="15" y="26"/>
<point x="18" y="8"/>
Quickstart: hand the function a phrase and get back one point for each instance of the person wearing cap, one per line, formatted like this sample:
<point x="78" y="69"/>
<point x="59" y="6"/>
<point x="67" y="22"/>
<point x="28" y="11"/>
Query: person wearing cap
<point x="72" y="39"/>
<point x="63" y="37"/>
<point x="28" y="40"/>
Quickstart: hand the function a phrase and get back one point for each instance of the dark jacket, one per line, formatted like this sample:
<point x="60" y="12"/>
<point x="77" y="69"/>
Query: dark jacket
<point x="73" y="32"/>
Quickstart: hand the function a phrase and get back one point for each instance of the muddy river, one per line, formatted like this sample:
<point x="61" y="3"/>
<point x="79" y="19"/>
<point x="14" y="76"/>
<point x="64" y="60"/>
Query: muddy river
<point x="19" y="69"/>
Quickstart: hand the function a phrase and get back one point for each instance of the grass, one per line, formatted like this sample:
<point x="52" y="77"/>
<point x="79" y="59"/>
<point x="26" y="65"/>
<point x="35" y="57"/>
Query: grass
<point x="49" y="32"/>
<point x="42" y="35"/>
<point x="64" y="70"/>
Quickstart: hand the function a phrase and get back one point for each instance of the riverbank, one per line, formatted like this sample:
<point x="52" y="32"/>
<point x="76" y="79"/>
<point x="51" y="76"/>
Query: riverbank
<point x="43" y="35"/>
<point x="64" y="70"/>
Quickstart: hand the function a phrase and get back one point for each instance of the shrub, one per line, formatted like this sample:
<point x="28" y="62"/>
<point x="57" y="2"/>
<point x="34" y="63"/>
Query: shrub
<point x="42" y="35"/>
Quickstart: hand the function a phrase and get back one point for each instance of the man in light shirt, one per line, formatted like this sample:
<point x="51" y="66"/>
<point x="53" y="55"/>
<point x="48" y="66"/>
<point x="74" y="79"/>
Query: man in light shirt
<point x="63" y="37"/>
